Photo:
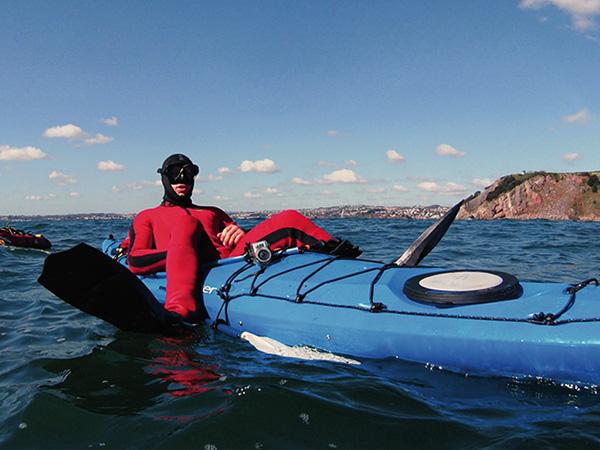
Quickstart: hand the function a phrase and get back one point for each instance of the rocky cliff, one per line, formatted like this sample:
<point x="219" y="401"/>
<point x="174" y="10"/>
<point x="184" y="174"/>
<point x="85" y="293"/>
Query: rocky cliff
<point x="538" y="195"/>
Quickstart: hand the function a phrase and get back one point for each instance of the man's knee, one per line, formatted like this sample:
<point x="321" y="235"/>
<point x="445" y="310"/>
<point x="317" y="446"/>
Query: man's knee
<point x="289" y="215"/>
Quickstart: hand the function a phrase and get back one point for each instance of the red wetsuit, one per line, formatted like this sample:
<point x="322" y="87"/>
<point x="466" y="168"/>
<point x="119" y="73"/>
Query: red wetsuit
<point x="178" y="239"/>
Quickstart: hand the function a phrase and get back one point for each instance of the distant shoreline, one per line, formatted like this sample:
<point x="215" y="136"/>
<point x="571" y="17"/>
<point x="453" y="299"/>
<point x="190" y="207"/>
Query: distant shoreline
<point x="433" y="212"/>
<point x="330" y="212"/>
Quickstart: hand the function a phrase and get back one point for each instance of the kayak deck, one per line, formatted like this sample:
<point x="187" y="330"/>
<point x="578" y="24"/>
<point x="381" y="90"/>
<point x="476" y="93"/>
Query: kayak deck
<point x="325" y="302"/>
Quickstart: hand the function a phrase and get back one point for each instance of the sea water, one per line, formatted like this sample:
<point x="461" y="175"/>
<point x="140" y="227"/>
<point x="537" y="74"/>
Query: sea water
<point x="68" y="380"/>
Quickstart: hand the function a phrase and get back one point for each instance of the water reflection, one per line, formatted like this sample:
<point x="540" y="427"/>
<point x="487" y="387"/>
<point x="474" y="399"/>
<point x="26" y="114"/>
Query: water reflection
<point x="185" y="371"/>
<point x="135" y="373"/>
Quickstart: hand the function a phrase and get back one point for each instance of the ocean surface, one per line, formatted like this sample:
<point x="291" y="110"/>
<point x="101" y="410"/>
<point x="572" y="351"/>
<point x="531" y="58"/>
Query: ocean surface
<point x="71" y="381"/>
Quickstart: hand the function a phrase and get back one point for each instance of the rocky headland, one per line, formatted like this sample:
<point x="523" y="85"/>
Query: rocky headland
<point x="537" y="195"/>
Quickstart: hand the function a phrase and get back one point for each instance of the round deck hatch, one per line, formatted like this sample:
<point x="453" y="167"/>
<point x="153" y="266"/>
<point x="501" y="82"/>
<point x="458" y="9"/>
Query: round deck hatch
<point x="462" y="287"/>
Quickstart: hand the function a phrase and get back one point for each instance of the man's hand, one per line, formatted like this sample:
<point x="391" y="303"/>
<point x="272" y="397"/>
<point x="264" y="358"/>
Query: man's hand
<point x="231" y="235"/>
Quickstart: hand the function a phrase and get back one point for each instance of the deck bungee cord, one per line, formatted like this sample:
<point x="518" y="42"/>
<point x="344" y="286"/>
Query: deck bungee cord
<point x="540" y="318"/>
<point x="223" y="291"/>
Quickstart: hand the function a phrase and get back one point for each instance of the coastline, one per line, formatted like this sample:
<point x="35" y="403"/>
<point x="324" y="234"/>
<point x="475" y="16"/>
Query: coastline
<point x="432" y="212"/>
<point x="346" y="211"/>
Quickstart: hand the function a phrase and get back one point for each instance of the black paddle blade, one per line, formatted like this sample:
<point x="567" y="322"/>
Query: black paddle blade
<point x="98" y="285"/>
<point x="428" y="239"/>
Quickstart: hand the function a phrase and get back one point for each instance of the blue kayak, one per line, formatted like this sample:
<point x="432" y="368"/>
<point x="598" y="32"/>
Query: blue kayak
<point x="476" y="322"/>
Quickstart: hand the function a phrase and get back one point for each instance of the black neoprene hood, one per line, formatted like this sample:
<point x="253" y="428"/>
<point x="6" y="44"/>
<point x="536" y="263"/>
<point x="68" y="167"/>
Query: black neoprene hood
<point x="176" y="159"/>
<point x="170" y="195"/>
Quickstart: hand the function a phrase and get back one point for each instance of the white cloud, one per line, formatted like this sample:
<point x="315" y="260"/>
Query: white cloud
<point x="343" y="176"/>
<point x="197" y="191"/>
<point x="136" y="186"/>
<point x="395" y="157"/>
<point x="261" y="165"/>
<point x="300" y="181"/>
<point x="110" y="121"/>
<point x="582" y="12"/>
<point x="69" y="131"/>
<point x="399" y="188"/>
<point x="224" y="170"/>
<point x="209" y="177"/>
<point x="449" y="188"/>
<point x="333" y="133"/>
<point x="73" y="194"/>
<point x="583" y="23"/>
<point x="38" y="198"/>
<point x="481" y="182"/>
<point x="429" y="186"/>
<point x="448" y="150"/>
<point x="323" y="163"/>
<point x="579" y="117"/>
<point x="110" y="166"/>
<point x="74" y="133"/>
<point x="251" y="195"/>
<point x="351" y="162"/>
<point x="28" y="153"/>
<point x="376" y="190"/>
<point x="221" y="198"/>
<point x="271" y="190"/>
<point x="98" y="139"/>
<point x="571" y="156"/>
<point x="61" y="178"/>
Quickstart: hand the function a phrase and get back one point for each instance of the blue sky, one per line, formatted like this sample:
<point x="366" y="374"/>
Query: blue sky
<point x="287" y="104"/>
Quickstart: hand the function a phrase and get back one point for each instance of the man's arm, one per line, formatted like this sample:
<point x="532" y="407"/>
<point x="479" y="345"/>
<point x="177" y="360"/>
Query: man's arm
<point x="231" y="232"/>
<point x="143" y="257"/>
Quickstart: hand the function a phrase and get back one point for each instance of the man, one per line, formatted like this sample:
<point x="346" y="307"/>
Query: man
<point x="177" y="236"/>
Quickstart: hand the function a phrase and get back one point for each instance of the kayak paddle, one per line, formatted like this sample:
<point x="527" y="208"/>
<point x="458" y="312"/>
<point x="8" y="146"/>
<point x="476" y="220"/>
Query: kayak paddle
<point x="428" y="239"/>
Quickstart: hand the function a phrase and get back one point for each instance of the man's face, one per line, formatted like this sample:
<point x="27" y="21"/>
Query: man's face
<point x="181" y="178"/>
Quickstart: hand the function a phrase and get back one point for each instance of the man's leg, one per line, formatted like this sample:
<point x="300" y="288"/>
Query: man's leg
<point x="286" y="229"/>
<point x="182" y="267"/>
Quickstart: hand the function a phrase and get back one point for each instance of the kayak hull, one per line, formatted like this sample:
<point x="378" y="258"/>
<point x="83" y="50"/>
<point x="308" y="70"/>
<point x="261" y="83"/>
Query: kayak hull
<point x="295" y="302"/>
